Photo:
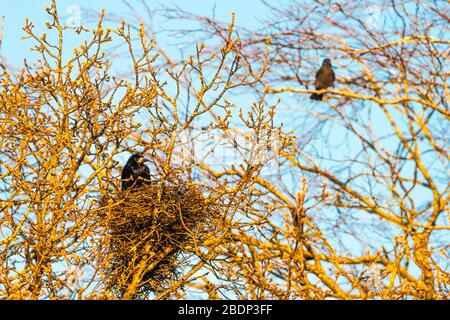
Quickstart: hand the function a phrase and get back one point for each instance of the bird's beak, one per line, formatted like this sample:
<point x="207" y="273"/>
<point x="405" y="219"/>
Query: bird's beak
<point x="142" y="160"/>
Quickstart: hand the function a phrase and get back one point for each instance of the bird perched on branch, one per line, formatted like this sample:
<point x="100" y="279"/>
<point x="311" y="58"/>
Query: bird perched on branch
<point x="324" y="79"/>
<point x="135" y="173"/>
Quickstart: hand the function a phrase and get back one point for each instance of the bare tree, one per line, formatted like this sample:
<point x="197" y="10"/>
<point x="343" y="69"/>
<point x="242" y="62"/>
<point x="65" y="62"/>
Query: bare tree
<point x="344" y="198"/>
<point x="374" y="154"/>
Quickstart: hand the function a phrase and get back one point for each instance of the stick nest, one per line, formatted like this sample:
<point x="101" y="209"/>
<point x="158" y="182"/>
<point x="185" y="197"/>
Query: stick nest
<point x="150" y="230"/>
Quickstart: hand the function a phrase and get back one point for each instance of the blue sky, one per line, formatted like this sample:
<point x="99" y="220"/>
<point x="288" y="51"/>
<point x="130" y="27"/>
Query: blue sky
<point x="15" y="12"/>
<point x="15" y="50"/>
<point x="247" y="14"/>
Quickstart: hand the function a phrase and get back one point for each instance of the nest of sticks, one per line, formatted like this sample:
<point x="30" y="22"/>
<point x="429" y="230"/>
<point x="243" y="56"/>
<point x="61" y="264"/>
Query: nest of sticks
<point x="150" y="230"/>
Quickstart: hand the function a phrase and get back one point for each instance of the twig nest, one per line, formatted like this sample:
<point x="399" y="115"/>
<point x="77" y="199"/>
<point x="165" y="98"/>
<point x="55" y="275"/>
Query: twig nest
<point x="149" y="230"/>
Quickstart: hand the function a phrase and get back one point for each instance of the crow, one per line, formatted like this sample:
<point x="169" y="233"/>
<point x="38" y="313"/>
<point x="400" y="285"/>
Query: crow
<point x="135" y="173"/>
<point x="324" y="79"/>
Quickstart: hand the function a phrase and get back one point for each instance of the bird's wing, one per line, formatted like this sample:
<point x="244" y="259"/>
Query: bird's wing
<point x="127" y="178"/>
<point x="146" y="174"/>
<point x="318" y="83"/>
<point x="126" y="173"/>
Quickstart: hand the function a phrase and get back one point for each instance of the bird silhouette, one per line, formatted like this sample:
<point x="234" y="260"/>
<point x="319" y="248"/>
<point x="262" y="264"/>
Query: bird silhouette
<point x="135" y="173"/>
<point x="324" y="79"/>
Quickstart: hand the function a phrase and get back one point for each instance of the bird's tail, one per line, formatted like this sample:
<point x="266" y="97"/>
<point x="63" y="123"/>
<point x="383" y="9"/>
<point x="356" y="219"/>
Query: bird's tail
<point x="316" y="96"/>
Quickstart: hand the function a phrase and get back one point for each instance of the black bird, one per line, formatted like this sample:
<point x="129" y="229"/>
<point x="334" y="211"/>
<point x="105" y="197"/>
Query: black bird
<point x="324" y="79"/>
<point x="135" y="173"/>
